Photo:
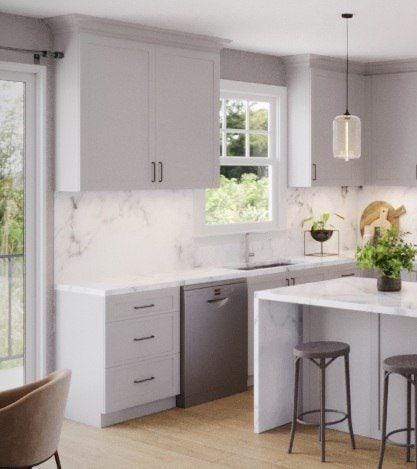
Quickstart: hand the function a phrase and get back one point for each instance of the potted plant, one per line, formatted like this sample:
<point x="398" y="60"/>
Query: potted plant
<point x="319" y="230"/>
<point x="389" y="254"/>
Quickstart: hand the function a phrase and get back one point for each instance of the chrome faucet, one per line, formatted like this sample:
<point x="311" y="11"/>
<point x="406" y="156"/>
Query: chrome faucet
<point x="248" y="254"/>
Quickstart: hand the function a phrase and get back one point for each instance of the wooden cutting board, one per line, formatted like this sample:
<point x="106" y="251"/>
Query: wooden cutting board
<point x="372" y="211"/>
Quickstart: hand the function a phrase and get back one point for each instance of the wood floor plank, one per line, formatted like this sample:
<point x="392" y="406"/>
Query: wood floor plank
<point x="218" y="434"/>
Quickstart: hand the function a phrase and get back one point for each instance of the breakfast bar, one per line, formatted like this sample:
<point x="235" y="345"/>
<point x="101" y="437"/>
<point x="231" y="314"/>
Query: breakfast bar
<point x="375" y="324"/>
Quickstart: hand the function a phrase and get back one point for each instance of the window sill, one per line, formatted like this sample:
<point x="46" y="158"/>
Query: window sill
<point x="229" y="231"/>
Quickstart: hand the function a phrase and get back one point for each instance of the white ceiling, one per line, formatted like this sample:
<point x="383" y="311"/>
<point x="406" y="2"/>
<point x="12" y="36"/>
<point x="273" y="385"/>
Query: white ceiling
<point x="381" y="29"/>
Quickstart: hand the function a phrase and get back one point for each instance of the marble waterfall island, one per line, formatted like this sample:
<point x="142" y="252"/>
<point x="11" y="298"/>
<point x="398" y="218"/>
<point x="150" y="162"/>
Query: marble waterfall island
<point x="375" y="324"/>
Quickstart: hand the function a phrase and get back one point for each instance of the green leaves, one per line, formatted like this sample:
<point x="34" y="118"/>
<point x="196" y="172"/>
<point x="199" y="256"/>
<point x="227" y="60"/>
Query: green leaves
<point x="389" y="254"/>
<point x="320" y="223"/>
<point x="241" y="197"/>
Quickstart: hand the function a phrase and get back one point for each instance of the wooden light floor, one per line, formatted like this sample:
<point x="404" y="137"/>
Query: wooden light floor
<point x="217" y="434"/>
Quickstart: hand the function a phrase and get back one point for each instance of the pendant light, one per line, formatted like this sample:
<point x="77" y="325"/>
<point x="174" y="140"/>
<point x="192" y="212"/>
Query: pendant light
<point x="347" y="128"/>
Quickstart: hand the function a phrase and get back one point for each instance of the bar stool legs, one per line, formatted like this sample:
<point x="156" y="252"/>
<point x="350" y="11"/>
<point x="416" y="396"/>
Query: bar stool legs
<point x="408" y="418"/>
<point x="295" y="405"/>
<point x="348" y="402"/>
<point x="323" y="409"/>
<point x="322" y="354"/>
<point x="405" y="366"/>
<point x="384" y="420"/>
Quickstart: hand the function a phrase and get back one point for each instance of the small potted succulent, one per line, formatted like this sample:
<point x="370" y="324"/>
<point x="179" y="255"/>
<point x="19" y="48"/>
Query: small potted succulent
<point x="388" y="254"/>
<point x="319" y="230"/>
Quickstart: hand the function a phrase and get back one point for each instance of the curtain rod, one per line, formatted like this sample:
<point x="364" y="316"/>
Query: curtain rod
<point x="37" y="54"/>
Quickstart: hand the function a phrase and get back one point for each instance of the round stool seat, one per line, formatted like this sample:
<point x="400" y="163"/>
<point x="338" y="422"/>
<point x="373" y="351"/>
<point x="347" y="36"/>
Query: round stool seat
<point x="322" y="349"/>
<point x="401" y="364"/>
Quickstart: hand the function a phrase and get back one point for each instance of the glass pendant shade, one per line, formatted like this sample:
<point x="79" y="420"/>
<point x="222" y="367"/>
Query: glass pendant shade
<point x="347" y="137"/>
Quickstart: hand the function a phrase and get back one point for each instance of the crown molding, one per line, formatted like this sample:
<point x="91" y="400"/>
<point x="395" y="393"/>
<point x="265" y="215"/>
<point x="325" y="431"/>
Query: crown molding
<point x="324" y="63"/>
<point x="339" y="65"/>
<point x="391" y="66"/>
<point x="68" y="24"/>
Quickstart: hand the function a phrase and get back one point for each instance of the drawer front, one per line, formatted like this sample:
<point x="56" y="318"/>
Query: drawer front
<point x="138" y="339"/>
<point x="149" y="381"/>
<point x="133" y="305"/>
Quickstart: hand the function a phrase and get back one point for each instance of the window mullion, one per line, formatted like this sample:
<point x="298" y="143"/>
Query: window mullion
<point x="247" y="150"/>
<point x="224" y="127"/>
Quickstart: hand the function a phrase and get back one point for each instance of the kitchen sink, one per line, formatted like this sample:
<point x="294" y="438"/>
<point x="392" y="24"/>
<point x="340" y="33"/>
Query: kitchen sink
<point x="265" y="266"/>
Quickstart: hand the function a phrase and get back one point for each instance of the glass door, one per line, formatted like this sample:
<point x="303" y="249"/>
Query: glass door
<point x="17" y="228"/>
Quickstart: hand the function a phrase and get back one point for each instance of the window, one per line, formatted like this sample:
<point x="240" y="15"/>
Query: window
<point x="251" y="148"/>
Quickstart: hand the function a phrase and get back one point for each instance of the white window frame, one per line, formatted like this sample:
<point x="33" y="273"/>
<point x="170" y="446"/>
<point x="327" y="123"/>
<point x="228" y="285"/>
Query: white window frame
<point x="276" y="160"/>
<point x="36" y="173"/>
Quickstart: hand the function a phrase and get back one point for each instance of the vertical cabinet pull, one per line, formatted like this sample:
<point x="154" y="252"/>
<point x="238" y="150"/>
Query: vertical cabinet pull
<point x="161" y="171"/>
<point x="153" y="171"/>
<point x="293" y="280"/>
<point x="288" y="282"/>
<point x="314" y="172"/>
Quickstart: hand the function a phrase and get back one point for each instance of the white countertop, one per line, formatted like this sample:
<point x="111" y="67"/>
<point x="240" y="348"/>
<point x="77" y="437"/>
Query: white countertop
<point x="194" y="276"/>
<point x="351" y="293"/>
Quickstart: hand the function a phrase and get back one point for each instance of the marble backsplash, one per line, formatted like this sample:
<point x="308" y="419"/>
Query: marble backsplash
<point x="105" y="235"/>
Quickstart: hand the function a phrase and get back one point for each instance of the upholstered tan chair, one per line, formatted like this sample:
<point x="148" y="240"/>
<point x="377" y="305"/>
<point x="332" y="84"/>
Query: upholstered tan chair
<point x="31" y="419"/>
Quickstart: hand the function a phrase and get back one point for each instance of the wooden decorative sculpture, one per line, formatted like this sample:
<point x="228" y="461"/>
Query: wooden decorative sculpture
<point x="380" y="215"/>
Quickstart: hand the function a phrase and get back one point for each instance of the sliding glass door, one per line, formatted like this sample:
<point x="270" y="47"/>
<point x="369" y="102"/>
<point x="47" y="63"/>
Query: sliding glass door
<point x="17" y="228"/>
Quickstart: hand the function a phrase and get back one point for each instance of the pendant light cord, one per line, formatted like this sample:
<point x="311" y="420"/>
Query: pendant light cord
<point x="347" y="67"/>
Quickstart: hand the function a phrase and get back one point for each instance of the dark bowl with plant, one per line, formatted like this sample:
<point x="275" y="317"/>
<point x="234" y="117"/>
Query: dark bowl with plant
<point x="388" y="254"/>
<point x="319" y="230"/>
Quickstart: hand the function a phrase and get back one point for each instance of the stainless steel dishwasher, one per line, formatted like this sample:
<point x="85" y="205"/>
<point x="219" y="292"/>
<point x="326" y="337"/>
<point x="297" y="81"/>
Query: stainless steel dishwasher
<point x="214" y="341"/>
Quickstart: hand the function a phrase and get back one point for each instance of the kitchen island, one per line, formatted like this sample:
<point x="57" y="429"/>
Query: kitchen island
<point x="375" y="324"/>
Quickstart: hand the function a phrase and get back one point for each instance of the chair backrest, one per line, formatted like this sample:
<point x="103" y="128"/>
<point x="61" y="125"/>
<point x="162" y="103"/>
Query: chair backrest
<point x="31" y="420"/>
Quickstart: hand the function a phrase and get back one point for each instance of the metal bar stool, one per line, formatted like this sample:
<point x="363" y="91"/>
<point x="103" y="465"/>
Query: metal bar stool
<point x="318" y="353"/>
<point x="406" y="366"/>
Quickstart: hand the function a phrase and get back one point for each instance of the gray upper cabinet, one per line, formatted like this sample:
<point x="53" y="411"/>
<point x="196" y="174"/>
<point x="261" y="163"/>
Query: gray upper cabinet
<point x="316" y="95"/>
<point x="133" y="112"/>
<point x="393" y="129"/>
<point x="186" y="118"/>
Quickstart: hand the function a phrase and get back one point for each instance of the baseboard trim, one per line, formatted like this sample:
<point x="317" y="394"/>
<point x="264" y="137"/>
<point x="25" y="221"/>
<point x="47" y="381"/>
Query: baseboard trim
<point x="138" y="411"/>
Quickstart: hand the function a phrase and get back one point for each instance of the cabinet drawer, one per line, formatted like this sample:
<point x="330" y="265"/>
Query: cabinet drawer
<point x="142" y="338"/>
<point x="128" y="386"/>
<point x="141" y="304"/>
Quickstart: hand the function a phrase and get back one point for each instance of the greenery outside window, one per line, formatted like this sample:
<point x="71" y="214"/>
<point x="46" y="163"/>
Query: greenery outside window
<point x="251" y="150"/>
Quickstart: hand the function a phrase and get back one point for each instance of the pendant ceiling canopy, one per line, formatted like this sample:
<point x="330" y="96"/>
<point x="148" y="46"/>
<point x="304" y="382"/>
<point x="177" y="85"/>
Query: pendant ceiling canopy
<point x="346" y="127"/>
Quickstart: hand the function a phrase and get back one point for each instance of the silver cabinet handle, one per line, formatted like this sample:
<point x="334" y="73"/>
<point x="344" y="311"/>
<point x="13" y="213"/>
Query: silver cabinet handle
<point x="293" y="280"/>
<point x="314" y="172"/>
<point x="151" y="305"/>
<point x="138" y="339"/>
<point x="138" y="381"/>
<point x="161" y="171"/>
<point x="153" y="171"/>
<point x="288" y="282"/>
<point x="219" y="302"/>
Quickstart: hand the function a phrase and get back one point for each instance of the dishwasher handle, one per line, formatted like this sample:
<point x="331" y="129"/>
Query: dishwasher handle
<point x="219" y="301"/>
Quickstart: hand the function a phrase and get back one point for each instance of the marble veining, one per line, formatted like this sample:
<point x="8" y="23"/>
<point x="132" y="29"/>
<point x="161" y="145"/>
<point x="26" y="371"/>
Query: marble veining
<point x="101" y="235"/>
<point x="352" y="293"/>
<point x="116" y="286"/>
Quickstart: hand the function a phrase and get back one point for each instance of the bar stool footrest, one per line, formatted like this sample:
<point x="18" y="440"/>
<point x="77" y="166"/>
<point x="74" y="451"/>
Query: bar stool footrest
<point x="401" y="445"/>
<point x="316" y="411"/>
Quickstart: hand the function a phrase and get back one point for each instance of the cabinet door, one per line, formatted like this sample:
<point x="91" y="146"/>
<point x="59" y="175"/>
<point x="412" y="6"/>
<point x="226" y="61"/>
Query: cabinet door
<point x="305" y="277"/>
<point x="328" y="95"/>
<point x="393" y="131"/>
<point x="257" y="284"/>
<point x="186" y="118"/>
<point x="115" y="79"/>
